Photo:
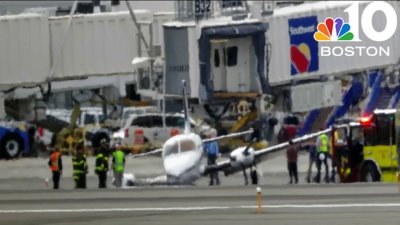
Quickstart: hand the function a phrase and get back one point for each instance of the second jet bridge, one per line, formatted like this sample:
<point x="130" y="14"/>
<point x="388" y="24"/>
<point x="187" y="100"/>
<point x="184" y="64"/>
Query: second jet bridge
<point x="217" y="58"/>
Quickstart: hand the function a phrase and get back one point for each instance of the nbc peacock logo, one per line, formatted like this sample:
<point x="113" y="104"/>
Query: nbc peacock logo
<point x="333" y="30"/>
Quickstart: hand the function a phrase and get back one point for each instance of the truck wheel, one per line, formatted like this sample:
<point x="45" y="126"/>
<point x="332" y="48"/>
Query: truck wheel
<point x="11" y="145"/>
<point x="97" y="137"/>
<point x="369" y="173"/>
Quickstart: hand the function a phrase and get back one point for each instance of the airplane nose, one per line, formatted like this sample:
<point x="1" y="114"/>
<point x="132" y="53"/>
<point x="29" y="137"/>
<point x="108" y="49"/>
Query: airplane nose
<point x="177" y="164"/>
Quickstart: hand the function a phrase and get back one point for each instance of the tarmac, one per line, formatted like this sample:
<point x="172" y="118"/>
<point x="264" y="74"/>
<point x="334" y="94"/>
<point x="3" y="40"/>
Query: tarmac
<point x="31" y="173"/>
<point x="24" y="198"/>
<point x="281" y="204"/>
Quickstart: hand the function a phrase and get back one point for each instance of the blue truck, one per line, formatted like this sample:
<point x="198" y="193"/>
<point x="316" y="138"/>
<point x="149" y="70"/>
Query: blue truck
<point x="13" y="142"/>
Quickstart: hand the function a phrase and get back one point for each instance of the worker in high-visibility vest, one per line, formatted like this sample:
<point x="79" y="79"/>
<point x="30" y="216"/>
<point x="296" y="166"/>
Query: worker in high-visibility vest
<point x="322" y="145"/>
<point x="102" y="163"/>
<point x="55" y="164"/>
<point x="118" y="164"/>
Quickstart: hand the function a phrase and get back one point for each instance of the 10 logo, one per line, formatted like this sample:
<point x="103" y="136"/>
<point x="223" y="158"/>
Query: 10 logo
<point x="324" y="32"/>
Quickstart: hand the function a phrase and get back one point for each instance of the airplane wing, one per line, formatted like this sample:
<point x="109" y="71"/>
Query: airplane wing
<point x="237" y="134"/>
<point x="157" y="151"/>
<point x="235" y="164"/>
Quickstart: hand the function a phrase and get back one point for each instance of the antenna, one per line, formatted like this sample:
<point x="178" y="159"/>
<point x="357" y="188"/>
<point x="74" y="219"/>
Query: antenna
<point x="185" y="108"/>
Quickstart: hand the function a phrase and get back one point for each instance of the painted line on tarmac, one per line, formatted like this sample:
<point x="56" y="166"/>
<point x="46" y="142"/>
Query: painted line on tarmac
<point x="310" y="206"/>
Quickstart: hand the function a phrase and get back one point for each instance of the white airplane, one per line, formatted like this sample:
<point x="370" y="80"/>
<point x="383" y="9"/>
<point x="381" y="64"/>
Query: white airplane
<point x="182" y="156"/>
<point x="246" y="157"/>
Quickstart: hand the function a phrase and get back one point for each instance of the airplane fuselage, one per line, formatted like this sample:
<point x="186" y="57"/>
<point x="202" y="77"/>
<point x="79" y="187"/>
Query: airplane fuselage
<point x="182" y="158"/>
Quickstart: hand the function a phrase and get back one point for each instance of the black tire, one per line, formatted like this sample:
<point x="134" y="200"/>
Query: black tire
<point x="254" y="177"/>
<point x="11" y="145"/>
<point x="369" y="173"/>
<point x="97" y="137"/>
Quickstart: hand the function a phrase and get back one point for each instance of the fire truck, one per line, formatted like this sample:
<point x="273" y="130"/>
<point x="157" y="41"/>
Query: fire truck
<point x="365" y="149"/>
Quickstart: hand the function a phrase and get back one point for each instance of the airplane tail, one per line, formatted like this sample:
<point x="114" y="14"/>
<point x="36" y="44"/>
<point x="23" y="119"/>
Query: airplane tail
<point x="185" y="108"/>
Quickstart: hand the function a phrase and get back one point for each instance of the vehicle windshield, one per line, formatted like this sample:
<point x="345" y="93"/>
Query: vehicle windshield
<point x="357" y="134"/>
<point x="341" y="136"/>
<point x="89" y="119"/>
<point x="125" y="117"/>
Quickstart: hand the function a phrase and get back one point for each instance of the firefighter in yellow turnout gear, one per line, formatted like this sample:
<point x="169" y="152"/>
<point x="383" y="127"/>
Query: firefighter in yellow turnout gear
<point x="80" y="167"/>
<point x="102" y="164"/>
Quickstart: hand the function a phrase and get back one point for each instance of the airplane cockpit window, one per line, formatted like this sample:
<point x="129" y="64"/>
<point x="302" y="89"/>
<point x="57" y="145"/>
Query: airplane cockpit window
<point x="183" y="145"/>
<point x="172" y="149"/>
<point x="187" y="145"/>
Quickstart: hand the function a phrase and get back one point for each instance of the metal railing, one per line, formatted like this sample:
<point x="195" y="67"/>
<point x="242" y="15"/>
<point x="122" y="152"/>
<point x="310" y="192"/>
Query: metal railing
<point x="190" y="10"/>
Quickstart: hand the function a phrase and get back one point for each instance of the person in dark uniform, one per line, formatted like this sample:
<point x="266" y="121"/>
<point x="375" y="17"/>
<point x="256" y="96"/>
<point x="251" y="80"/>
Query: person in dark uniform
<point x="80" y="168"/>
<point x="292" y="155"/>
<point x="55" y="164"/>
<point x="102" y="164"/>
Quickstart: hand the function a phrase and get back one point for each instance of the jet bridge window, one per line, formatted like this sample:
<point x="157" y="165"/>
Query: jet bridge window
<point x="216" y="58"/>
<point x="232" y="53"/>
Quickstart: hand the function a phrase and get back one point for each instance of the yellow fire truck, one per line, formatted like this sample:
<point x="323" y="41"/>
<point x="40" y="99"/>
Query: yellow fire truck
<point x="366" y="149"/>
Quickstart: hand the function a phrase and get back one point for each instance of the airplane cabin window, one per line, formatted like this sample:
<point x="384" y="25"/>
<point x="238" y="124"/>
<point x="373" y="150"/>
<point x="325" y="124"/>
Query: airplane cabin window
<point x="232" y="53"/>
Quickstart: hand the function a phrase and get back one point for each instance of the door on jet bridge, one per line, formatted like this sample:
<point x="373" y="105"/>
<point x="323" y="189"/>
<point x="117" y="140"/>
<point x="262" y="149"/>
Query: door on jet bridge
<point x="237" y="64"/>
<point x="218" y="63"/>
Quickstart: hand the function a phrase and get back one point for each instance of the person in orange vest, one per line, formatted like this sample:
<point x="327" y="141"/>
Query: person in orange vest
<point x="55" y="164"/>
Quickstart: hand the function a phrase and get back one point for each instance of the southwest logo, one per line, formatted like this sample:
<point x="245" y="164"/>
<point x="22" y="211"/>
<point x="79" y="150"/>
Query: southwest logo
<point x="301" y="57"/>
<point x="333" y="30"/>
<point x="303" y="47"/>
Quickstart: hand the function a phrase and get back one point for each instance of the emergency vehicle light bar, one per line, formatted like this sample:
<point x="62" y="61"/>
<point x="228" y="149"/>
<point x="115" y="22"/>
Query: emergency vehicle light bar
<point x="365" y="120"/>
